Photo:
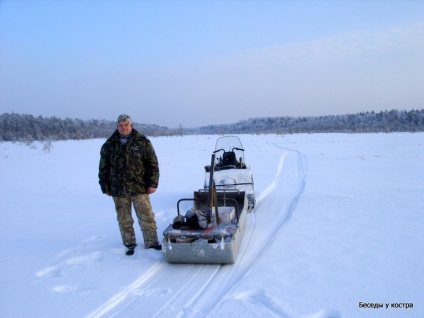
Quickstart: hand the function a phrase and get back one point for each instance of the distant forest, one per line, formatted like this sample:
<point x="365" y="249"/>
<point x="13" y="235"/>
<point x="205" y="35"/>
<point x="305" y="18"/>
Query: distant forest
<point x="18" y="127"/>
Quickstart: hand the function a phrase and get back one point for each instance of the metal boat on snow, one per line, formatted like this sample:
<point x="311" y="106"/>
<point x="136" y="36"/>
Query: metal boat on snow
<point x="211" y="230"/>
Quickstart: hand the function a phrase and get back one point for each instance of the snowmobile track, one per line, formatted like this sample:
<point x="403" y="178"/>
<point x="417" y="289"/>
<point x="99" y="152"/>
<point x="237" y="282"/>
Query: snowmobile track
<point x="124" y="298"/>
<point x="277" y="203"/>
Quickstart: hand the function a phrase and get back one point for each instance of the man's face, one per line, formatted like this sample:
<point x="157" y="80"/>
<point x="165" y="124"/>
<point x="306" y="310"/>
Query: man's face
<point x="124" y="128"/>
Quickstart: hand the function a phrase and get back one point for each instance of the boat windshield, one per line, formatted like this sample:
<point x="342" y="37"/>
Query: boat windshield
<point x="230" y="143"/>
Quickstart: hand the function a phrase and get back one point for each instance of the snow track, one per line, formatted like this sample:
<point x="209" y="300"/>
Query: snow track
<point x="121" y="300"/>
<point x="193" y="290"/>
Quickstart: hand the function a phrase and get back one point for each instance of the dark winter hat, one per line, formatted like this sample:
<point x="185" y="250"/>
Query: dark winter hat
<point x="124" y="118"/>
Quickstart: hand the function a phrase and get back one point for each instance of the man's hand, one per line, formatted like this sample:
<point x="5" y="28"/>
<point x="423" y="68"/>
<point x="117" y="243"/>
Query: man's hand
<point x="151" y="190"/>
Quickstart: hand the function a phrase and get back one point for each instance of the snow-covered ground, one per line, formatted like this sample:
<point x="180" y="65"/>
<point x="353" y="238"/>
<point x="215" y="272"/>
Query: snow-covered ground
<point x="338" y="229"/>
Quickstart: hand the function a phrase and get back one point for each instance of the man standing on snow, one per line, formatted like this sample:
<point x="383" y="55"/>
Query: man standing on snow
<point x="129" y="172"/>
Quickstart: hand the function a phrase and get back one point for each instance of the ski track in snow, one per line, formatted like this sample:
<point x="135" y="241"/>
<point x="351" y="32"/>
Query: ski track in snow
<point x="277" y="203"/>
<point x="188" y="293"/>
<point x="126" y="296"/>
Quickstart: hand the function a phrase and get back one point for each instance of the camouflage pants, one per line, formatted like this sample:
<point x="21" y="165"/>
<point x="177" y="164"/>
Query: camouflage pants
<point x="145" y="216"/>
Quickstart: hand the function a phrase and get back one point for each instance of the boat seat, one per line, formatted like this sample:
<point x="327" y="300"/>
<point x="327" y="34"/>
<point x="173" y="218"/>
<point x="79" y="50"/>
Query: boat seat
<point x="229" y="160"/>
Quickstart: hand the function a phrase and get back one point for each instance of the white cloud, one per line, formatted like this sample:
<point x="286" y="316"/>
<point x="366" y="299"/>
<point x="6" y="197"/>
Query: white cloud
<point x="346" y="45"/>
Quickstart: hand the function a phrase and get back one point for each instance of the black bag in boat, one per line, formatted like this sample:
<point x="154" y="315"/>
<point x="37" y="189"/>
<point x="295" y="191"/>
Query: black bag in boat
<point x="192" y="220"/>
<point x="178" y="222"/>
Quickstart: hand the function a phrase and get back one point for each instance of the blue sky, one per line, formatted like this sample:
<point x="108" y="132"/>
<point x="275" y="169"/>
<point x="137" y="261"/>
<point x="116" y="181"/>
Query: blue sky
<point x="194" y="63"/>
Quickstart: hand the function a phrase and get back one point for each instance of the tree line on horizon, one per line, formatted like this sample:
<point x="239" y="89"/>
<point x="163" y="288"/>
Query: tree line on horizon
<point x="364" y="122"/>
<point x="24" y="127"/>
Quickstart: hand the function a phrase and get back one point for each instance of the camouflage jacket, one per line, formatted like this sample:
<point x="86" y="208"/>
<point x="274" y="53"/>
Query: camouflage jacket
<point x="130" y="168"/>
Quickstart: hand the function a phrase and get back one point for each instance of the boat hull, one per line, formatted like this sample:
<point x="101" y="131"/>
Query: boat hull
<point x="217" y="245"/>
